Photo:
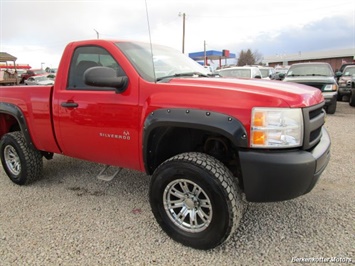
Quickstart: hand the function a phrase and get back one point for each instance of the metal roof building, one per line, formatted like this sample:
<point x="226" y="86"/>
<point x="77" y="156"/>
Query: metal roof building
<point x="334" y="57"/>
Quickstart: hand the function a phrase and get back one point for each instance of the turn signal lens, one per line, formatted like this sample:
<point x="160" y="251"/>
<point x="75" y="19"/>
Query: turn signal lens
<point x="276" y="127"/>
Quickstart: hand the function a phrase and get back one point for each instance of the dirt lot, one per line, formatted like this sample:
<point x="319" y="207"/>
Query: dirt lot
<point x="71" y="218"/>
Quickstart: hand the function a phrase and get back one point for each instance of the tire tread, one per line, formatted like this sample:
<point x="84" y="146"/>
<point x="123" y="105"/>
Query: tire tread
<point x="225" y="178"/>
<point x="32" y="159"/>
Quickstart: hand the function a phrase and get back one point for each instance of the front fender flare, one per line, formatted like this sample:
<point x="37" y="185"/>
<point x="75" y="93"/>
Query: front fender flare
<point x="215" y="122"/>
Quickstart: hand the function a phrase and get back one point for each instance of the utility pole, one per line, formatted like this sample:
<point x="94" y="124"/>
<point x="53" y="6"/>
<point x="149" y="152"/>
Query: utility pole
<point x="97" y="34"/>
<point x="204" y="54"/>
<point x="183" y="30"/>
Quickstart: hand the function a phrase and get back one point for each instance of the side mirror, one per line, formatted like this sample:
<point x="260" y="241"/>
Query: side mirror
<point x="105" y="77"/>
<point x="282" y="75"/>
<point x="339" y="74"/>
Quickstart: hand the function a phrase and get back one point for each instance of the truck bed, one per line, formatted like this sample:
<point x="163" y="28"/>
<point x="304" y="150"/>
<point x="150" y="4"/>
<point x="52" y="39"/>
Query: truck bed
<point x="35" y="104"/>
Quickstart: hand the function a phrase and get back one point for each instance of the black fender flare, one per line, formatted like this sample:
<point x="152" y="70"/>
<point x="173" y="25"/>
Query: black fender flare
<point x="15" y="111"/>
<point x="216" y="122"/>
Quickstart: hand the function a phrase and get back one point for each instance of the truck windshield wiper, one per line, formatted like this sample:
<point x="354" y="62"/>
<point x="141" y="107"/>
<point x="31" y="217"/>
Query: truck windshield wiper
<point x="322" y="75"/>
<point x="185" y="74"/>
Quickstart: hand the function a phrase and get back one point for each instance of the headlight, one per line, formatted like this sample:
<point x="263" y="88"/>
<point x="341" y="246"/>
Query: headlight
<point x="276" y="127"/>
<point x="342" y="82"/>
<point x="330" y="87"/>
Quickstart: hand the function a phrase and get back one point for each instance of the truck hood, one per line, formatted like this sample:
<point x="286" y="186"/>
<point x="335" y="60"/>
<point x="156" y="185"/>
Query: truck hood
<point x="311" y="80"/>
<point x="256" y="92"/>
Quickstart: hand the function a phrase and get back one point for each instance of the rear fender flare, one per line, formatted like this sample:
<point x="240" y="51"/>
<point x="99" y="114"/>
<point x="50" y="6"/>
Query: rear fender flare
<point x="13" y="110"/>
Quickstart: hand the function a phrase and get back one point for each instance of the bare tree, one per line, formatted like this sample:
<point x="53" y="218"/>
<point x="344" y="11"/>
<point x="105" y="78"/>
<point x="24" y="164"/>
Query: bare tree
<point x="246" y="58"/>
<point x="258" y="57"/>
<point x="249" y="58"/>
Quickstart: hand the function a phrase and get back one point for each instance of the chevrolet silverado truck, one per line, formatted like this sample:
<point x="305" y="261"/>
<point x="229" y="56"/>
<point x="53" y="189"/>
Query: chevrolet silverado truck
<point x="210" y="144"/>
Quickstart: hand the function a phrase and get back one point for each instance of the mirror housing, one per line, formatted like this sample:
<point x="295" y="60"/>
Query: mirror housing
<point x="282" y="75"/>
<point x="338" y="74"/>
<point x="105" y="77"/>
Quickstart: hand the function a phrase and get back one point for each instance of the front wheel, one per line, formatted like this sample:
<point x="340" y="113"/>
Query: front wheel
<point x="332" y="107"/>
<point x="352" y="98"/>
<point x="21" y="163"/>
<point x="195" y="200"/>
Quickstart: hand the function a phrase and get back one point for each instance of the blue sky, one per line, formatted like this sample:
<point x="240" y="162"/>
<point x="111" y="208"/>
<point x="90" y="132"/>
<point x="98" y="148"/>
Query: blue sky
<point x="37" y="31"/>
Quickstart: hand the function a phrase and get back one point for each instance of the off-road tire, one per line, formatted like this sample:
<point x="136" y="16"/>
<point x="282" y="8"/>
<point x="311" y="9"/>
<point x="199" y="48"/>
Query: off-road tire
<point x="21" y="163"/>
<point x="196" y="200"/>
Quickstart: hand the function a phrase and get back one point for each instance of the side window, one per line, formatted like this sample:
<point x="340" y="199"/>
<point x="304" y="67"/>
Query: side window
<point x="85" y="58"/>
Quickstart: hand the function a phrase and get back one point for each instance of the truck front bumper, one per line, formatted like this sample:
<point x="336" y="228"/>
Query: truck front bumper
<point x="344" y="90"/>
<point x="283" y="175"/>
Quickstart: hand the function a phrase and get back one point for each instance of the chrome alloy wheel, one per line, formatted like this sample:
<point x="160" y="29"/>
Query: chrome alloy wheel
<point x="12" y="160"/>
<point x="187" y="205"/>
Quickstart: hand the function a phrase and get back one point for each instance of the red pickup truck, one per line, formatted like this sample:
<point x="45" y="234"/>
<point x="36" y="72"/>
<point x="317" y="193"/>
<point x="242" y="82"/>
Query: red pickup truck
<point x="210" y="143"/>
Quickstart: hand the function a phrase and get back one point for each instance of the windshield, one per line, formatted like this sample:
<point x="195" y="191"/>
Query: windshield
<point x="264" y="72"/>
<point x="167" y="61"/>
<point x="310" y="70"/>
<point x="238" y="73"/>
<point x="281" y="70"/>
<point x="349" y="71"/>
<point x="39" y="71"/>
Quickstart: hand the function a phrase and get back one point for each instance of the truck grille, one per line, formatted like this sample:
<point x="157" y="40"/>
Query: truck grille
<point x="315" y="85"/>
<point x="314" y="118"/>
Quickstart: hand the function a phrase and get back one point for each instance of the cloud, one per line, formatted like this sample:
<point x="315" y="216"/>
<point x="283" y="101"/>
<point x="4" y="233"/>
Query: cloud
<point x="37" y="31"/>
<point x="326" y="34"/>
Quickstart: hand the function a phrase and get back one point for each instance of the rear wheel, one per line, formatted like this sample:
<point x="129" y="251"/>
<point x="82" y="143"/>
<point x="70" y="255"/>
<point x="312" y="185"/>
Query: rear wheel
<point x="21" y="163"/>
<point x="195" y="200"/>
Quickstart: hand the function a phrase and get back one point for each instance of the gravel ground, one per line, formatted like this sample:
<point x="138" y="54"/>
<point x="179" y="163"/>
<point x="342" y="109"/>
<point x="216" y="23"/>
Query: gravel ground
<point x="71" y="218"/>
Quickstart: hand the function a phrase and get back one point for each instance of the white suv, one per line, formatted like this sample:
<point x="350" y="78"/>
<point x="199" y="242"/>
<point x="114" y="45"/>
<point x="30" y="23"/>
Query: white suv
<point x="240" y="72"/>
<point x="267" y="72"/>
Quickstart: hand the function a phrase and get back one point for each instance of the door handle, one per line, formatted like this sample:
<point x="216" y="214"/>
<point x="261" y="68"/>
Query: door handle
<point x="69" y="105"/>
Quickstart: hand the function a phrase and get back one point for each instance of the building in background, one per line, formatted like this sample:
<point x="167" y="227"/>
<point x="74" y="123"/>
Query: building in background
<point x="334" y="57"/>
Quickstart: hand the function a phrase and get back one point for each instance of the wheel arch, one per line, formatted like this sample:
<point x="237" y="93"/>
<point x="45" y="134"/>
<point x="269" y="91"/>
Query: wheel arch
<point x="168" y="132"/>
<point x="9" y="113"/>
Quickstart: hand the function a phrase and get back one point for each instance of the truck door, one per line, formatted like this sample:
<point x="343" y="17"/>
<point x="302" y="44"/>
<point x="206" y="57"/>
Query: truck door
<point x="94" y="123"/>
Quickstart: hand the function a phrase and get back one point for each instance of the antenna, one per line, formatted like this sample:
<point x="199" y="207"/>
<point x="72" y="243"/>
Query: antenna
<point x="150" y="40"/>
<point x="183" y="30"/>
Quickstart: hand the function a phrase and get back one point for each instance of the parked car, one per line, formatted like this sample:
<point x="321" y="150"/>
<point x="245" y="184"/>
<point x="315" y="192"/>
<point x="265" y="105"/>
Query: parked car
<point x="352" y="91"/>
<point x="30" y="73"/>
<point x="240" y="72"/>
<point x="319" y="75"/>
<point x="344" y="82"/>
<point x="39" y="80"/>
<point x="341" y="69"/>
<point x="267" y="72"/>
